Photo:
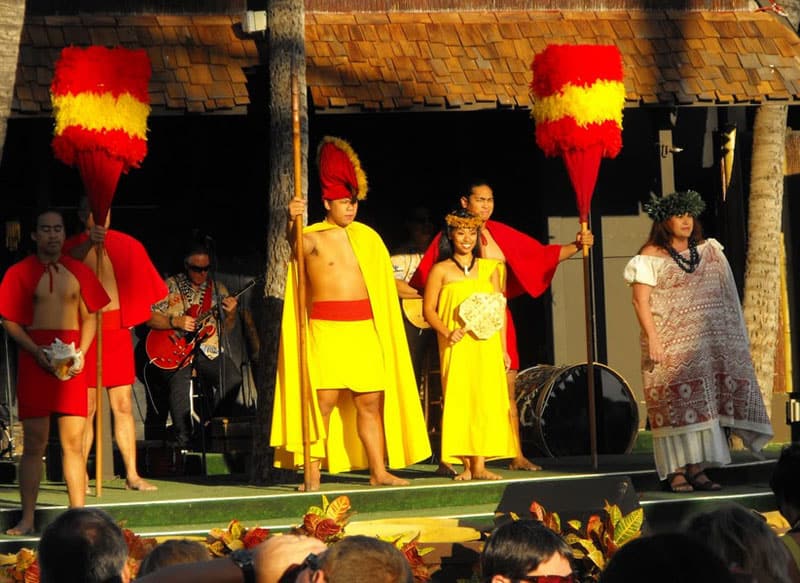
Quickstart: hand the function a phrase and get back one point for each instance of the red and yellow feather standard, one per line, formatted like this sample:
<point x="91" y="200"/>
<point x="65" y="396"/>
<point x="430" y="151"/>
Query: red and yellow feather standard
<point x="101" y="103"/>
<point x="578" y="96"/>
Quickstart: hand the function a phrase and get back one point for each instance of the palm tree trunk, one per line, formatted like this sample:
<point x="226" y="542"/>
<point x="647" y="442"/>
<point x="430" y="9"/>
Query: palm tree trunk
<point x="286" y="52"/>
<point x="762" y="275"/>
<point x="12" y="16"/>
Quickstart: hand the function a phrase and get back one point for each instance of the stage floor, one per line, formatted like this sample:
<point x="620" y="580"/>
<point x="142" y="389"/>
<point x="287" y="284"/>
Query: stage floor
<point x="192" y="505"/>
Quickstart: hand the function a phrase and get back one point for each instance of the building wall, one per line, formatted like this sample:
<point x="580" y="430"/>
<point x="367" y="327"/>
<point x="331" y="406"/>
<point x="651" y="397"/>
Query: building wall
<point x="622" y="238"/>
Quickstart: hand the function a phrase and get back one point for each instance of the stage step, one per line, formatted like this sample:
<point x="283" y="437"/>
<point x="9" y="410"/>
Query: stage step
<point x="192" y="505"/>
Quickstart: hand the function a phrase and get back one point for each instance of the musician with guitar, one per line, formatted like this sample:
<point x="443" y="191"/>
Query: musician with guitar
<point x="405" y="259"/>
<point x="185" y="339"/>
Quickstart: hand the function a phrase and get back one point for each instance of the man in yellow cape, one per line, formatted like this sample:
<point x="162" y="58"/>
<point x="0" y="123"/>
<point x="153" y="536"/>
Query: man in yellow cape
<point x="356" y="352"/>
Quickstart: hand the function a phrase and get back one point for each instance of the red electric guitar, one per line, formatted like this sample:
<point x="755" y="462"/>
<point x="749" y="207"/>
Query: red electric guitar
<point x="172" y="349"/>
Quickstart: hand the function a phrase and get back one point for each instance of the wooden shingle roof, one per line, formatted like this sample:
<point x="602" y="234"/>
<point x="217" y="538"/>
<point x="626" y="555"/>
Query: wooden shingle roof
<point x="198" y="61"/>
<point x="446" y="60"/>
<point x="426" y="60"/>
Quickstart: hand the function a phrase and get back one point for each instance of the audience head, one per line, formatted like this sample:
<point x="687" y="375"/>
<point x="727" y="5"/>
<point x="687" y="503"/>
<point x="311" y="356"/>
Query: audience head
<point x="744" y="541"/>
<point x="357" y="559"/>
<point x="666" y="558"/>
<point x="785" y="482"/>
<point x="174" y="552"/>
<point x="83" y="545"/>
<point x="524" y="548"/>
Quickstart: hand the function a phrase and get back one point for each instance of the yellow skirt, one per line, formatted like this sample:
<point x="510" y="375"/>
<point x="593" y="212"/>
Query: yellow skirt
<point x="345" y="355"/>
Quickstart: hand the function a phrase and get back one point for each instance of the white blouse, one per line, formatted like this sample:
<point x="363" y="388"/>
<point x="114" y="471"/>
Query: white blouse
<point x="644" y="268"/>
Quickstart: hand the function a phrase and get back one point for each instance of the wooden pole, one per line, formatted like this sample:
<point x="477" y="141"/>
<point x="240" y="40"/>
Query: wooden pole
<point x="98" y="409"/>
<point x="590" y="343"/>
<point x="305" y="388"/>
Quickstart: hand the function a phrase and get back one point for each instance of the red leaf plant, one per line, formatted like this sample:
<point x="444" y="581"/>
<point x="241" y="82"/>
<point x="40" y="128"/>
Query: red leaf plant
<point x="596" y="542"/>
<point x="237" y="536"/>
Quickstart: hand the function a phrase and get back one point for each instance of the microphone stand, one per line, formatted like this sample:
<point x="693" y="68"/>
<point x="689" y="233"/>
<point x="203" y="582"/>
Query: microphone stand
<point x="220" y="317"/>
<point x="193" y="416"/>
<point x="7" y="429"/>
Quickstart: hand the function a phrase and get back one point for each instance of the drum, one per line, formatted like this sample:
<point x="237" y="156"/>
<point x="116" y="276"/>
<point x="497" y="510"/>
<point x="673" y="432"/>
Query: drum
<point x="554" y="413"/>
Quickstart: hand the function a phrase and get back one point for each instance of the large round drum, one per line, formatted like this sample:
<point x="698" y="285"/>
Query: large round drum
<point x="554" y="411"/>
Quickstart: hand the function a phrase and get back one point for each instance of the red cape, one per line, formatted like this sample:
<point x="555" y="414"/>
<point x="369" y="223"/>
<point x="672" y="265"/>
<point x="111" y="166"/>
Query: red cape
<point x="19" y="285"/>
<point x="531" y="265"/>
<point x="138" y="282"/>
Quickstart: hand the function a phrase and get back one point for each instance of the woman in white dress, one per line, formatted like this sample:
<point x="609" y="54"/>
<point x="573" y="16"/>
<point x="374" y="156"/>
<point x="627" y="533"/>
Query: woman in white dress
<point x="697" y="371"/>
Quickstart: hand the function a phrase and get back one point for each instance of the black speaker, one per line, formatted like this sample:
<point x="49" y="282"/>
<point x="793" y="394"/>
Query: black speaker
<point x="8" y="472"/>
<point x="793" y="415"/>
<point x="572" y="499"/>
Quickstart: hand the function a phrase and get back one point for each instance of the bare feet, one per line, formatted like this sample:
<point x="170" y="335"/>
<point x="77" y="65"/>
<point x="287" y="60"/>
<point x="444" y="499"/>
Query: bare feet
<point x="20" y="530"/>
<point x="313" y="479"/>
<point x="486" y="475"/>
<point x="523" y="464"/>
<point x="464" y="476"/>
<point x="387" y="479"/>
<point x="445" y="470"/>
<point x="140" y="484"/>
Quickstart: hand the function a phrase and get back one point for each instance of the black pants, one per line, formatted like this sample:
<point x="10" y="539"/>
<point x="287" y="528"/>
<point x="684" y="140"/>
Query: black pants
<point x="174" y="396"/>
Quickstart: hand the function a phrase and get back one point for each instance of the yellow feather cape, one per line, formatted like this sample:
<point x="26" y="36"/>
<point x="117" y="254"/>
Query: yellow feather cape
<point x="404" y="424"/>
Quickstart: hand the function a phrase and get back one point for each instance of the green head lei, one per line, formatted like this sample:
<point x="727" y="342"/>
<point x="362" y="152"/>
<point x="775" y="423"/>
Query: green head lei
<point x="661" y="208"/>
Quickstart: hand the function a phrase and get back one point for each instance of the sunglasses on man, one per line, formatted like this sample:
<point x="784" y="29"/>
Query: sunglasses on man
<point x="198" y="268"/>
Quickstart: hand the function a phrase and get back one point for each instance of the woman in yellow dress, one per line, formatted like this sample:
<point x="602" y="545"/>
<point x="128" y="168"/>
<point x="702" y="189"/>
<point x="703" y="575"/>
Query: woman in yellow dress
<point x="473" y="366"/>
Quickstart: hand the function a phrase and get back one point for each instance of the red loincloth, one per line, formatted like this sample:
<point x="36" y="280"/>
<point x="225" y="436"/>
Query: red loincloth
<point x="118" y="368"/>
<point x="530" y="267"/>
<point x="138" y="282"/>
<point x="39" y="392"/>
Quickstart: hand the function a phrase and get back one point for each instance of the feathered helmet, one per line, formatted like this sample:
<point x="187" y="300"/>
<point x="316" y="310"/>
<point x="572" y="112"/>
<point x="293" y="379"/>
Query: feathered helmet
<point x="661" y="208"/>
<point x="340" y="172"/>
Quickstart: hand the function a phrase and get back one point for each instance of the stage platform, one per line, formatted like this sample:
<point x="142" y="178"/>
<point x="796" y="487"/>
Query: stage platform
<point x="192" y="505"/>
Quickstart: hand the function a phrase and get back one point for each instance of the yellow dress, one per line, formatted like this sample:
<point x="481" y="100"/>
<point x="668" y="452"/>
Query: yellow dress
<point x="404" y="424"/>
<point x="476" y="418"/>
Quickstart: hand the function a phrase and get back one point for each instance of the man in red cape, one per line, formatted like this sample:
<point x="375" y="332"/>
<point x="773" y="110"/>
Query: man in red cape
<point x="530" y="267"/>
<point x="45" y="297"/>
<point x="133" y="284"/>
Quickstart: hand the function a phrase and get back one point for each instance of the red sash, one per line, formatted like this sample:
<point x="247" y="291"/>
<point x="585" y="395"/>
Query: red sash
<point x="342" y="311"/>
